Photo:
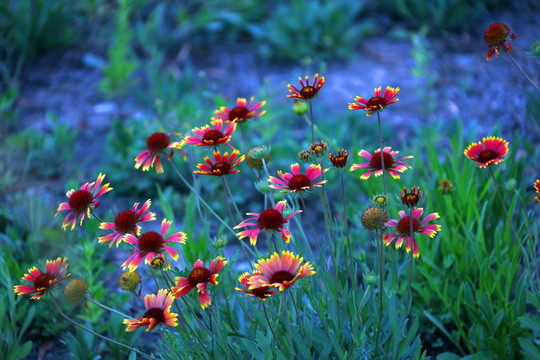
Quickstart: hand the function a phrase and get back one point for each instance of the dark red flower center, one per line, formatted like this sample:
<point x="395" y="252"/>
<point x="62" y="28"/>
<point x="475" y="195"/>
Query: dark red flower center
<point x="487" y="155"/>
<point x="239" y="113"/>
<point x="281" y="276"/>
<point x="260" y="292"/>
<point x="410" y="199"/>
<point x="376" y="103"/>
<point x="221" y="168"/>
<point x="340" y="160"/>
<point x="297" y="182"/>
<point x="271" y="219"/>
<point x="212" y="137"/>
<point x="496" y="34"/>
<point x="404" y="225"/>
<point x="80" y="200"/>
<point x="125" y="221"/>
<point x="198" y="276"/>
<point x="157" y="142"/>
<point x="308" y="92"/>
<point x="155" y="313"/>
<point x="150" y="242"/>
<point x="376" y="163"/>
<point x="42" y="281"/>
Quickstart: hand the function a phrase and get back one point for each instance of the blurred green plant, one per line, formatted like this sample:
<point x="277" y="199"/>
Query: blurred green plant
<point x="318" y="29"/>
<point x="439" y="15"/>
<point x="423" y="72"/>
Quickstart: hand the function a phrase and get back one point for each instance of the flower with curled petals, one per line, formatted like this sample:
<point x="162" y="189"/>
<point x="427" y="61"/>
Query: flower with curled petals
<point x="490" y="151"/>
<point x="223" y="165"/>
<point x="497" y="35"/>
<point x="377" y="103"/>
<point x="340" y="160"/>
<point x="156" y="144"/>
<point x="537" y="188"/>
<point x="270" y="220"/>
<point x="218" y="133"/>
<point x="82" y="201"/>
<point x="403" y="228"/>
<point x="307" y="92"/>
<point x="158" y="311"/>
<point x="412" y="197"/>
<point x="280" y="272"/>
<point x="199" y="278"/>
<point x="295" y="181"/>
<point x="391" y="164"/>
<point x="42" y="282"/>
<point x="241" y="112"/>
<point x="126" y="223"/>
<point x="152" y="244"/>
<point x="261" y="292"/>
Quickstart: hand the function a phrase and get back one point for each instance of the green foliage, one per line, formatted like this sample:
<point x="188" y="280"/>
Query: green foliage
<point x="319" y="29"/>
<point x="439" y="15"/>
<point x="118" y="71"/>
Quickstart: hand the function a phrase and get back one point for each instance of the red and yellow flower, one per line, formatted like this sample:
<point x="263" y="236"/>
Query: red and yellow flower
<point x="158" y="311"/>
<point x="280" y="272"/>
<point x="295" y="181"/>
<point x="156" y="144"/>
<point x="412" y="197"/>
<point x="340" y="160"/>
<point x="261" y="292"/>
<point x="537" y="188"/>
<point x="82" y="201"/>
<point x="42" y="282"/>
<point x="498" y="35"/>
<point x="241" y="112"/>
<point x="223" y="164"/>
<point x="307" y="92"/>
<point x="487" y="152"/>
<point x="403" y="229"/>
<point x="376" y="103"/>
<point x="152" y="244"/>
<point x="270" y="220"/>
<point x="199" y="278"/>
<point x="218" y="133"/>
<point x="126" y="223"/>
<point x="391" y="164"/>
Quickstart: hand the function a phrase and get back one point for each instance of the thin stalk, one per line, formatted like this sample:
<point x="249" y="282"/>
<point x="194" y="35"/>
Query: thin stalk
<point x="232" y="198"/>
<point x="96" y="334"/>
<point x="201" y="200"/>
<point x="327" y="222"/>
<point x="226" y="346"/>
<point x="108" y="308"/>
<point x="195" y="183"/>
<point x="503" y="204"/>
<point x="267" y="176"/>
<point x="289" y="336"/>
<point x="522" y="72"/>
<point x="313" y="233"/>
<point x="312" y="121"/>
<point x="411" y="233"/>
<point x="346" y="222"/>
<point x="272" y="329"/>
<point x="227" y="200"/>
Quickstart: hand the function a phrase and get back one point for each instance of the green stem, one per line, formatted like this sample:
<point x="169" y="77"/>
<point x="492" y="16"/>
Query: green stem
<point x="96" y="334"/>
<point x="289" y="336"/>
<point x="108" y="308"/>
<point x="321" y="253"/>
<point x="312" y="121"/>
<point x="272" y="329"/>
<point x="503" y="204"/>
<point x="351" y="270"/>
<point x="411" y="233"/>
<point x="522" y="72"/>
<point x="267" y="176"/>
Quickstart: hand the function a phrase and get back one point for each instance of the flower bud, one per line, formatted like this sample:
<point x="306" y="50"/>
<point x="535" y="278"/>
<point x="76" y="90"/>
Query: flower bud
<point x="129" y="280"/>
<point x="75" y="291"/>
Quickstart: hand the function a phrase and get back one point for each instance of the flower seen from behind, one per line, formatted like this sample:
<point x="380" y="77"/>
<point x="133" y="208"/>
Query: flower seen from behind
<point x="156" y="144"/>
<point x="241" y="112"/>
<point x="126" y="223"/>
<point x="158" y="311"/>
<point x="295" y="181"/>
<point x="377" y="102"/>
<point x="391" y="164"/>
<point x="152" y="244"/>
<point x="199" y="278"/>
<point x="537" y="188"/>
<point x="280" y="272"/>
<point x="42" y="282"/>
<point x="340" y="160"/>
<point x="218" y="133"/>
<point x="490" y="150"/>
<point x="403" y="227"/>
<point x="270" y="220"/>
<point x="411" y="198"/>
<point x="81" y="202"/>
<point x="307" y="92"/>
<point x="261" y="292"/>
<point x="222" y="164"/>
<point x="497" y="35"/>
